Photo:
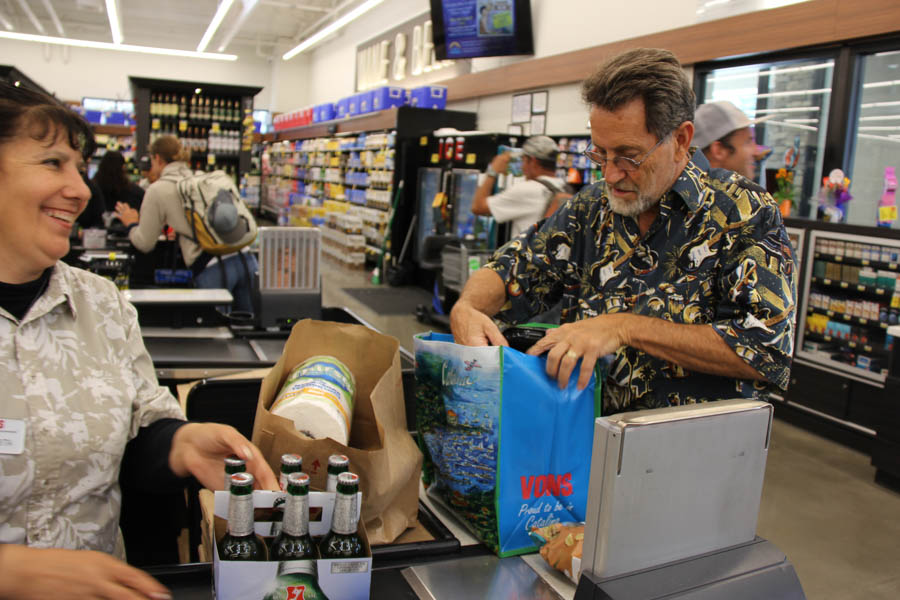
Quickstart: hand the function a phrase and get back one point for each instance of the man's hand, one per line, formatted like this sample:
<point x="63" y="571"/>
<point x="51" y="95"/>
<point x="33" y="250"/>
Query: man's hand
<point x="199" y="449"/>
<point x="500" y="163"/>
<point x="472" y="327"/>
<point x="126" y="214"/>
<point x="27" y="573"/>
<point x="587" y="340"/>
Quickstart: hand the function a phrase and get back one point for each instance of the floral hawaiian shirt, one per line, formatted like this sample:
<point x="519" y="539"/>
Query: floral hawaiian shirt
<point x="717" y="254"/>
<point x="78" y="383"/>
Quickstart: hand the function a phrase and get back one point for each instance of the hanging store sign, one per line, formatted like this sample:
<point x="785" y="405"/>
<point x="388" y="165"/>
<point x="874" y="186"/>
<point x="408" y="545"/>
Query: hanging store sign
<point x="404" y="56"/>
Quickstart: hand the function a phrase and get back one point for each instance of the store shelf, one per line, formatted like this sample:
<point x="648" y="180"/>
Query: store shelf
<point x="867" y="349"/>
<point x="863" y="262"/>
<point x="847" y="318"/>
<point x="873" y="290"/>
<point x="118" y="130"/>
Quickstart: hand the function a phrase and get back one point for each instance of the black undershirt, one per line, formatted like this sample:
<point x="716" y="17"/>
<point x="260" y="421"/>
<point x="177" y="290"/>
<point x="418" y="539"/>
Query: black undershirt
<point x="17" y="298"/>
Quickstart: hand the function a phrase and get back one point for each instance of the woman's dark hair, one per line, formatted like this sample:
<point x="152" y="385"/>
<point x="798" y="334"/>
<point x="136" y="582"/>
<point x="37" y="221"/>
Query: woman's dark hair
<point x="652" y="74"/>
<point x="110" y="177"/>
<point x="42" y="118"/>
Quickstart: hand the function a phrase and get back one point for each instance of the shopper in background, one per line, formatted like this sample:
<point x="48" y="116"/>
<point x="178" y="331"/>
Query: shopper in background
<point x="682" y="274"/>
<point x="79" y="389"/>
<point x="527" y="202"/>
<point x="163" y="206"/>
<point x="144" y="166"/>
<point x="725" y="135"/>
<point x="113" y="181"/>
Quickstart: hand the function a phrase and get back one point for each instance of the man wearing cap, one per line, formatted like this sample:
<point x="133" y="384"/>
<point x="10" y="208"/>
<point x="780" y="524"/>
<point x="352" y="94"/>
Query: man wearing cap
<point x="145" y="166"/>
<point x="525" y="203"/>
<point x="678" y="274"/>
<point x="724" y="134"/>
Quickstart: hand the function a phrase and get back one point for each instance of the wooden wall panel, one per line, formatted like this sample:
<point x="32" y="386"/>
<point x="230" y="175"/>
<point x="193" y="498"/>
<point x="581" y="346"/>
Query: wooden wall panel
<point x="808" y="23"/>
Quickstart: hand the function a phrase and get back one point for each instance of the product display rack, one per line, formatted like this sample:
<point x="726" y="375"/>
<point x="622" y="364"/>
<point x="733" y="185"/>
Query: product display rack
<point x="214" y="121"/>
<point x="344" y="176"/>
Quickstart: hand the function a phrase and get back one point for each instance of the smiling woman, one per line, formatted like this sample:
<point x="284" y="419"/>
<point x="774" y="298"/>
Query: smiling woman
<point x="81" y="408"/>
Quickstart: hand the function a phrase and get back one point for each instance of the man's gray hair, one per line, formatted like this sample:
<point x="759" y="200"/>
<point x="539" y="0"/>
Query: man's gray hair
<point x="652" y="74"/>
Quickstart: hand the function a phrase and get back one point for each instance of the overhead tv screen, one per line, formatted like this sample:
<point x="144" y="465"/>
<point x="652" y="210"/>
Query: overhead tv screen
<point x="475" y="28"/>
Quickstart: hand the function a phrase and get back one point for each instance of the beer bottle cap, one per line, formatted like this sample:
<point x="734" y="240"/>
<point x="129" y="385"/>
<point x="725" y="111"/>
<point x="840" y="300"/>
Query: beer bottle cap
<point x="338" y="460"/>
<point x="241" y="480"/>
<point x="234" y="461"/>
<point x="298" y="481"/>
<point x="291" y="460"/>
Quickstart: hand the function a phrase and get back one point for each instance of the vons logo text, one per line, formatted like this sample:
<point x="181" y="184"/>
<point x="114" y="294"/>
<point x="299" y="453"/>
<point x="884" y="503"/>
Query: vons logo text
<point x="546" y="485"/>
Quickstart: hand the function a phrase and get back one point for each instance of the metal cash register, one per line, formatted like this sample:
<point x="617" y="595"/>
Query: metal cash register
<point x="673" y="506"/>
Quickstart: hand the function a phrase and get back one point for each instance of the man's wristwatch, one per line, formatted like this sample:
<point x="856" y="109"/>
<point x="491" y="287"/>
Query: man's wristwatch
<point x="490" y="172"/>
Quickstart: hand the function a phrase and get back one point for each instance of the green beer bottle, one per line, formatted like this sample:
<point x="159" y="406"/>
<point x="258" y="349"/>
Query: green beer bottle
<point x="294" y="541"/>
<point x="296" y="581"/>
<point x="241" y="542"/>
<point x="343" y="541"/>
<point x="337" y="464"/>
<point x="290" y="463"/>
<point x="233" y="465"/>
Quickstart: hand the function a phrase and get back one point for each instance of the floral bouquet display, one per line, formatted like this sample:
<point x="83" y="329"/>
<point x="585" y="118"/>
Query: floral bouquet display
<point x="784" y="191"/>
<point x="834" y="196"/>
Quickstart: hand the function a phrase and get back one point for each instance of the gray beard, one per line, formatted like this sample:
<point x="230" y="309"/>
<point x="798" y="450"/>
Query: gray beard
<point x="632" y="209"/>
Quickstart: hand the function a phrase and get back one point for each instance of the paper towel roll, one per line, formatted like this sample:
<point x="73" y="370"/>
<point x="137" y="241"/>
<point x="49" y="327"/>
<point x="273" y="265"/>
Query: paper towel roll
<point x="317" y="406"/>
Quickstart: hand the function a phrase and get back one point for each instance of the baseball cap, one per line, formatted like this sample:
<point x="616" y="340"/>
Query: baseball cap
<point x="715" y="120"/>
<point x="540" y="147"/>
<point x="143" y="163"/>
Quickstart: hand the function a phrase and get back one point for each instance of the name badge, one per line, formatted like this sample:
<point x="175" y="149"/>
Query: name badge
<point x="12" y="436"/>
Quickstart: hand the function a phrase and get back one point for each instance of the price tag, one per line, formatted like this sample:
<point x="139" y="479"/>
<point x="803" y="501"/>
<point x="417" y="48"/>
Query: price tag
<point x="846" y="317"/>
<point x="155" y="125"/>
<point x="879" y="291"/>
<point x="839" y="258"/>
<point x="887" y="214"/>
<point x="892" y="266"/>
<point x="470" y="158"/>
<point x="211" y="159"/>
<point x="214" y="128"/>
<point x="830" y="313"/>
<point x="863" y="321"/>
<point x="435" y="158"/>
<point x="826" y="281"/>
<point x="845" y="285"/>
<point x="182" y="125"/>
<point x="865" y="262"/>
<point x="827" y="338"/>
<point x="860" y="288"/>
<point x="423" y="141"/>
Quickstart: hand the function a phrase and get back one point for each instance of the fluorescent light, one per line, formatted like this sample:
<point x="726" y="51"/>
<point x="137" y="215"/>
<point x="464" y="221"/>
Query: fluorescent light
<point x="224" y="5"/>
<point x="249" y="5"/>
<point x="112" y="11"/>
<point x="6" y="23"/>
<point x="331" y="28"/>
<point x="54" y="18"/>
<point x="31" y="16"/>
<point x="795" y="93"/>
<point x="46" y="39"/>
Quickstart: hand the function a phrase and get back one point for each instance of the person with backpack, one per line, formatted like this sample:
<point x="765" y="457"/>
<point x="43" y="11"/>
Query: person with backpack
<point x="527" y="202"/>
<point x="194" y="206"/>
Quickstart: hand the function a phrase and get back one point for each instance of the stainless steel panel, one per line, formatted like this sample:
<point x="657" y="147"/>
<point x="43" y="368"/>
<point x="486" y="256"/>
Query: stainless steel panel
<point x="478" y="577"/>
<point x="672" y="483"/>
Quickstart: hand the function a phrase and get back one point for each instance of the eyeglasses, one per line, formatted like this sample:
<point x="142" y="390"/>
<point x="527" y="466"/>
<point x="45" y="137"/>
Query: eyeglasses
<point x="623" y="163"/>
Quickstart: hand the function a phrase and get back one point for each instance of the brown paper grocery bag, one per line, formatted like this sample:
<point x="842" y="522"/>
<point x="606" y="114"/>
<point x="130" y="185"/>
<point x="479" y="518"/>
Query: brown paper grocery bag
<point x="381" y="450"/>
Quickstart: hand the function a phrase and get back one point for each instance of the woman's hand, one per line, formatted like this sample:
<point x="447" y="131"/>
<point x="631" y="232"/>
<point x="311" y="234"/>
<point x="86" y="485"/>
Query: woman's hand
<point x="199" y="449"/>
<point x="126" y="214"/>
<point x="27" y="573"/>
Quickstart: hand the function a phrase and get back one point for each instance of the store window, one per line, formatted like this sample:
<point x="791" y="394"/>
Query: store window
<point x="794" y="97"/>
<point x="877" y="135"/>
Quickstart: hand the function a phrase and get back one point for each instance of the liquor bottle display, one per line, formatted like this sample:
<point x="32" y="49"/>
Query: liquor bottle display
<point x="343" y="541"/>
<point x="241" y="542"/>
<point x="337" y="464"/>
<point x="290" y="463"/>
<point x="294" y="541"/>
<point x="233" y="465"/>
<point x="296" y="581"/>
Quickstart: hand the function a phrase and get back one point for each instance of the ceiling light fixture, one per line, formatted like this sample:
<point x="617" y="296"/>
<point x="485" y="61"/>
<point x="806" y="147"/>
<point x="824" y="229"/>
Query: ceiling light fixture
<point x="115" y="26"/>
<point x="6" y="23"/>
<point x="54" y="18"/>
<point x="224" y="5"/>
<point x="249" y="5"/>
<point x="31" y="16"/>
<point x="331" y="28"/>
<point x="46" y="39"/>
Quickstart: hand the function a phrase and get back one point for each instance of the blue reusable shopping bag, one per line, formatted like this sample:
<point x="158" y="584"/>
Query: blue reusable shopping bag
<point x="504" y="446"/>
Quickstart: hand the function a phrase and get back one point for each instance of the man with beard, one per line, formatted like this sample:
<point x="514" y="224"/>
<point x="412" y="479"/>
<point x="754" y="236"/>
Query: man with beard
<point x="662" y="265"/>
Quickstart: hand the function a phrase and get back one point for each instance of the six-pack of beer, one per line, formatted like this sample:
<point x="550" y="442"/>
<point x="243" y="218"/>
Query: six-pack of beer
<point x="291" y="544"/>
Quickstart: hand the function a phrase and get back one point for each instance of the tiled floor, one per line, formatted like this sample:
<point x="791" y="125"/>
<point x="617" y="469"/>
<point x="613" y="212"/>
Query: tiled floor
<point x="820" y="505"/>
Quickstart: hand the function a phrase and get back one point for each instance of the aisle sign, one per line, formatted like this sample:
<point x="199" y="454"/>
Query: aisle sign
<point x="404" y="56"/>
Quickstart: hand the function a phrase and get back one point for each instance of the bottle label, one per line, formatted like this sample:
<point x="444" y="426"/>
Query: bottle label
<point x="240" y="515"/>
<point x="345" y="514"/>
<point x="296" y="515"/>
